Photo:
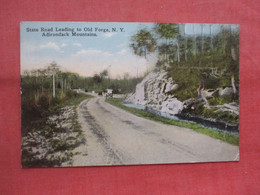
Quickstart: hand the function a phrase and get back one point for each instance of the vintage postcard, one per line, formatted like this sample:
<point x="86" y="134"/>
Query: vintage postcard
<point x="100" y="93"/>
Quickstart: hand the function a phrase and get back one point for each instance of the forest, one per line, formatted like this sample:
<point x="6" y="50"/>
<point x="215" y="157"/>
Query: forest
<point x="42" y="89"/>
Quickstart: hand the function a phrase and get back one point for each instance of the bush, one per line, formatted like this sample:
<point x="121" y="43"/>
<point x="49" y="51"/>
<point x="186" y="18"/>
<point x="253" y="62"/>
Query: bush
<point x="71" y="94"/>
<point x="44" y="101"/>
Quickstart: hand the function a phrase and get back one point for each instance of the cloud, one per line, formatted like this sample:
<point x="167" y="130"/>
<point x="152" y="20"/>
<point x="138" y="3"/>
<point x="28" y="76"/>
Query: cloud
<point x="63" y="45"/>
<point x="50" y="45"/>
<point x="85" y="52"/>
<point x="122" y="51"/>
<point x="107" y="53"/>
<point x="108" y="35"/>
<point x="77" y="44"/>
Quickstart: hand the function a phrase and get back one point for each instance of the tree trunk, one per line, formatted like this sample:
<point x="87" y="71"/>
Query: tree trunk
<point x="65" y="84"/>
<point x="53" y="84"/>
<point x="211" y="38"/>
<point x="194" y="40"/>
<point x="145" y="53"/>
<point x="233" y="84"/>
<point x="224" y="39"/>
<point x="185" y="49"/>
<point x="202" y="37"/>
<point x="62" y="87"/>
<point x="166" y="54"/>
<point x="178" y="51"/>
<point x="42" y="85"/>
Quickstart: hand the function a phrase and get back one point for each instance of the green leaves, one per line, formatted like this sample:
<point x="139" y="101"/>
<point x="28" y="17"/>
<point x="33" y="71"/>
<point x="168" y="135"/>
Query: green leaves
<point x="167" y="30"/>
<point x="143" y="43"/>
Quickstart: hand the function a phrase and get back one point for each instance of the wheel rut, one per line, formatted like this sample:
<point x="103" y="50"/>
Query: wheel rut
<point x="113" y="154"/>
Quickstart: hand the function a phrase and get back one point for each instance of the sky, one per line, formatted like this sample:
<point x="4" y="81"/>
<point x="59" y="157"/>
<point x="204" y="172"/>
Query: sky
<point x="86" y="55"/>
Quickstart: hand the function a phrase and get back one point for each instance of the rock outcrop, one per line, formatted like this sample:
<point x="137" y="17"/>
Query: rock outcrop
<point x="226" y="91"/>
<point x="154" y="92"/>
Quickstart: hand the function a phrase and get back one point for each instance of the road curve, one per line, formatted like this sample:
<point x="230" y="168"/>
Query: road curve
<point x="116" y="137"/>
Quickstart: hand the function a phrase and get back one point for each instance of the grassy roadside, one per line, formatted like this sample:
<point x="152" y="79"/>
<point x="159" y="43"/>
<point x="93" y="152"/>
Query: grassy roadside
<point x="226" y="137"/>
<point x="49" y="140"/>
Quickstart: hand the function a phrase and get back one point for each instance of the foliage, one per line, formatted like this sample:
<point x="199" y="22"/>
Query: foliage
<point x="38" y="82"/>
<point x="36" y="126"/>
<point x="143" y="43"/>
<point x="166" y="30"/>
<point x="210" y="67"/>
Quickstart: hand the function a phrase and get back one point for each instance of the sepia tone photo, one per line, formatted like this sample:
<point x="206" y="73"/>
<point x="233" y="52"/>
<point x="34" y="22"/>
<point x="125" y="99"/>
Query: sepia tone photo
<point x="100" y="93"/>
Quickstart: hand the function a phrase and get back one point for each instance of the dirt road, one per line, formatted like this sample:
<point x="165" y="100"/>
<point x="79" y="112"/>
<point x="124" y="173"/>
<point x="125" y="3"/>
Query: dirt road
<point x="116" y="137"/>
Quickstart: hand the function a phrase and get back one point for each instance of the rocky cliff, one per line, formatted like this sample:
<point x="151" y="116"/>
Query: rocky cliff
<point x="155" y="92"/>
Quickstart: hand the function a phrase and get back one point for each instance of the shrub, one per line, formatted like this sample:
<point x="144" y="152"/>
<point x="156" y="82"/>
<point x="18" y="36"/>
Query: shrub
<point x="44" y="101"/>
<point x="71" y="94"/>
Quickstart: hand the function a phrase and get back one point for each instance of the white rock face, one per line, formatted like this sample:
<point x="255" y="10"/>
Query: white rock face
<point x="139" y="96"/>
<point x="153" y="93"/>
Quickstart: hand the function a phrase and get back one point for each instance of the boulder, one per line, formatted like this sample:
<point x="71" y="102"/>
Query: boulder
<point x="225" y="91"/>
<point x="169" y="85"/>
<point x="172" y="106"/>
<point x="174" y="87"/>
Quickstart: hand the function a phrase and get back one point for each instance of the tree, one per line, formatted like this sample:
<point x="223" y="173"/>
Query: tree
<point x="103" y="74"/>
<point x="211" y="38"/>
<point x="42" y="73"/>
<point x="202" y="37"/>
<point x="223" y="39"/>
<point x="53" y="68"/>
<point x="185" y="47"/>
<point x="63" y="77"/>
<point x="194" y="40"/>
<point x="143" y="43"/>
<point x="163" y="50"/>
<point x="169" y="31"/>
<point x="233" y="43"/>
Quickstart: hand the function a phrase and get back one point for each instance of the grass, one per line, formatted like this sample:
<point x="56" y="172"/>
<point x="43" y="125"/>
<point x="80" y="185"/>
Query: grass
<point x="189" y="74"/>
<point x="228" y="117"/>
<point x="224" y="136"/>
<point x="69" y="102"/>
<point x="50" y="133"/>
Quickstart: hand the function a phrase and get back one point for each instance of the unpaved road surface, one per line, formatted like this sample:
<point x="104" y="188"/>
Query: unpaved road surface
<point x="116" y="137"/>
